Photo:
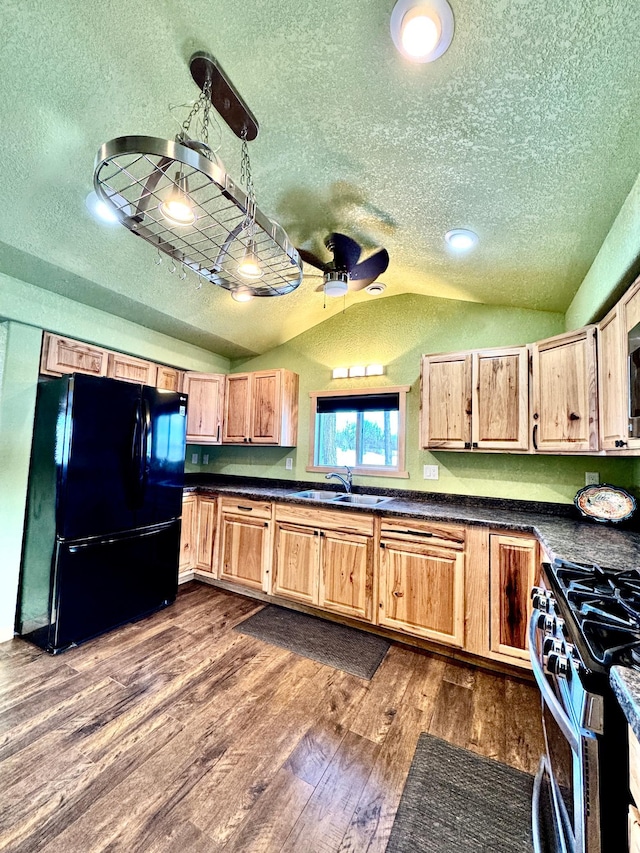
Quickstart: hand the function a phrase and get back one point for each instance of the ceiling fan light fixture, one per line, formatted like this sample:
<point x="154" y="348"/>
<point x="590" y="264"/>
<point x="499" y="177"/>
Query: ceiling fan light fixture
<point x="336" y="283"/>
<point x="422" y="30"/>
<point x="177" y="208"/>
<point x="461" y="239"/>
<point x="249" y="267"/>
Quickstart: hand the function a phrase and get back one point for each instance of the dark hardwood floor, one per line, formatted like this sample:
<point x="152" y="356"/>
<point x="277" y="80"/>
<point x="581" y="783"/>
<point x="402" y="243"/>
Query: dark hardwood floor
<point x="179" y="734"/>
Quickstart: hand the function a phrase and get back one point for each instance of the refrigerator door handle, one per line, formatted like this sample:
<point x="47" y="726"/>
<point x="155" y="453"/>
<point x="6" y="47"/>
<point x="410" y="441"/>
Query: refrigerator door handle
<point x="146" y="447"/>
<point x="136" y="460"/>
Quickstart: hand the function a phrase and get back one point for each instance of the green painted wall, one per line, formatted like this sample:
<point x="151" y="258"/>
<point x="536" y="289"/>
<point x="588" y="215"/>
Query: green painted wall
<point x="397" y="331"/>
<point x="24" y="311"/>
<point x="615" y="267"/>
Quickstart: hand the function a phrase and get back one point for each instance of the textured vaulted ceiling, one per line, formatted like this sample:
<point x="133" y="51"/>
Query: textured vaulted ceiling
<point x="525" y="131"/>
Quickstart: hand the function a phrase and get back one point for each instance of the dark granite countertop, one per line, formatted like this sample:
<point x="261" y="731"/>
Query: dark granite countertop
<point x="557" y="526"/>
<point x="626" y="685"/>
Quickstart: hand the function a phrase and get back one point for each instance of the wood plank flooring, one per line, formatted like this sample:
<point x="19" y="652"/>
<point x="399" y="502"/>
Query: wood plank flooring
<point x="179" y="734"/>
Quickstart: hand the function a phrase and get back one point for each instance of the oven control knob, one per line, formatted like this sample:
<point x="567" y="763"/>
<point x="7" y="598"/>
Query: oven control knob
<point x="557" y="664"/>
<point x="551" y="644"/>
<point x="559" y="626"/>
<point x="547" y="623"/>
<point x="540" y="600"/>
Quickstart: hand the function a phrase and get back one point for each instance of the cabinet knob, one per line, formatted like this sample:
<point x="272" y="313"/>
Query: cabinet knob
<point x="467" y="445"/>
<point x="475" y="444"/>
<point x="620" y="443"/>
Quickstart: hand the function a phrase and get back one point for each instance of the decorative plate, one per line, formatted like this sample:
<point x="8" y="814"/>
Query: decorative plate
<point x="605" y="503"/>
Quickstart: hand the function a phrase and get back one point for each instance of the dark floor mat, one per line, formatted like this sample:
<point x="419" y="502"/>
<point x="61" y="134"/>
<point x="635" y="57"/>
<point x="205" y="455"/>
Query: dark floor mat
<point x="455" y="801"/>
<point x="336" y="645"/>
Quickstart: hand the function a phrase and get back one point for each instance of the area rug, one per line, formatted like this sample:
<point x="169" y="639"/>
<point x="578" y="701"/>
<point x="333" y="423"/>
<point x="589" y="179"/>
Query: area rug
<point x="455" y="801"/>
<point x="326" y="642"/>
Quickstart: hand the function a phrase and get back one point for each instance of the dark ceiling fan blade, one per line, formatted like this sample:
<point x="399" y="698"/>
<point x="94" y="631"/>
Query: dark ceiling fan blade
<point x="371" y="268"/>
<point x="313" y="260"/>
<point x="345" y="251"/>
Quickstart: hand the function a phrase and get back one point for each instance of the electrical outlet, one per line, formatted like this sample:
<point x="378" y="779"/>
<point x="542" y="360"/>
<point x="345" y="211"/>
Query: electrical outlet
<point x="288" y="463"/>
<point x="431" y="472"/>
<point x="591" y="478"/>
<point x="195" y="459"/>
<point x="205" y="458"/>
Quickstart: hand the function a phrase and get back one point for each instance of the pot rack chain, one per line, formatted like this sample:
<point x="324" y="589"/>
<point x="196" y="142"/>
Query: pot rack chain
<point x="203" y="103"/>
<point x="247" y="180"/>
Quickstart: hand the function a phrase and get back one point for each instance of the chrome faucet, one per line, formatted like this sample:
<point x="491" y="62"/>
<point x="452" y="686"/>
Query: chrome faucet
<point x="346" y="481"/>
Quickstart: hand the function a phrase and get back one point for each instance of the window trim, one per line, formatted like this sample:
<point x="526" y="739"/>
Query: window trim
<point x="364" y="471"/>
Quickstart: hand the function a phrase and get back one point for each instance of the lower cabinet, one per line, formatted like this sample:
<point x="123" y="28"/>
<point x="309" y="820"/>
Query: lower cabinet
<point x="244" y="543"/>
<point x="422" y="590"/>
<point x="326" y="562"/>
<point x="206" y="524"/>
<point x="634" y="790"/>
<point x="188" y="533"/>
<point x="513" y="571"/>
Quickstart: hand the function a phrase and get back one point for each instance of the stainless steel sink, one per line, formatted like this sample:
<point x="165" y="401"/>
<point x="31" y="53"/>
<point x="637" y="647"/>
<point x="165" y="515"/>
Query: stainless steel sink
<point x="363" y="500"/>
<point x="315" y="495"/>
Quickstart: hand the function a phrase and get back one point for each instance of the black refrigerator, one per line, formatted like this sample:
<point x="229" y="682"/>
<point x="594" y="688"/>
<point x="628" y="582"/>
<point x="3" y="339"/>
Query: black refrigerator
<point x="102" y="533"/>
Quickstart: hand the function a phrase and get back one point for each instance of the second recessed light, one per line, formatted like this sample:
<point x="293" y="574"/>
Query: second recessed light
<point x="422" y="30"/>
<point x="461" y="239"/>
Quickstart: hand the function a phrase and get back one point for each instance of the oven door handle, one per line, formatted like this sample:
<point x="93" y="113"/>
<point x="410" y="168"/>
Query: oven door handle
<point x="535" y="806"/>
<point x="548" y="696"/>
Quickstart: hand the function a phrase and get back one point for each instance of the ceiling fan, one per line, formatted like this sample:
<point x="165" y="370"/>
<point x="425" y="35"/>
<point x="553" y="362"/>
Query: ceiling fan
<point x="344" y="271"/>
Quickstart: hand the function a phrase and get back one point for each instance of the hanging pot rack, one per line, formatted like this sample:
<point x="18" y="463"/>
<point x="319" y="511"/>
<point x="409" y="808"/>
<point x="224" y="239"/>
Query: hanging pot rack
<point x="135" y="175"/>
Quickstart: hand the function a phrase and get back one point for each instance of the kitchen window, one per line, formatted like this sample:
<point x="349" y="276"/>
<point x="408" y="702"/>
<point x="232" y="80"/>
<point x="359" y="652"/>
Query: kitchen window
<point x="362" y="429"/>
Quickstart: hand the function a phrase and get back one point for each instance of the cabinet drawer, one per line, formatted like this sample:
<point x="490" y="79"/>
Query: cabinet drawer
<point x="240" y="506"/>
<point x="634" y="767"/>
<point x="350" y="522"/>
<point x="407" y="529"/>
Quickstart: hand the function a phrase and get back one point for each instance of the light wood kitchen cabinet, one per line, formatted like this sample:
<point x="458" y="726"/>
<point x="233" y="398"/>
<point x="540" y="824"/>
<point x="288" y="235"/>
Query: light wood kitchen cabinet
<point x="205" y="406"/>
<point x="126" y="368"/>
<point x="476" y="400"/>
<point x="206" y="520"/>
<point x="244" y="547"/>
<point x="261" y="408"/>
<point x="168" y="378"/>
<point x="565" y="401"/>
<point x="630" y="318"/>
<point x="346" y="574"/>
<point x="513" y="571"/>
<point x="612" y="390"/>
<point x="324" y="558"/>
<point x="296" y="562"/>
<point x="63" y="355"/>
<point x="634" y="789"/>
<point x="422" y="580"/>
<point x="188" y="533"/>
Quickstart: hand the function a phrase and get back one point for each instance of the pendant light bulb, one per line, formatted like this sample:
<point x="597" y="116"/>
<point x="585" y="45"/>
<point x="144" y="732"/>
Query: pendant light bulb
<point x="249" y="266"/>
<point x="178" y="207"/>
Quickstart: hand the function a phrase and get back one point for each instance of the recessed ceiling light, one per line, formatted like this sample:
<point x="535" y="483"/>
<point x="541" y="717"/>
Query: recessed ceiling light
<point x="375" y="288"/>
<point x="99" y="210"/>
<point x="422" y="29"/>
<point x="461" y="239"/>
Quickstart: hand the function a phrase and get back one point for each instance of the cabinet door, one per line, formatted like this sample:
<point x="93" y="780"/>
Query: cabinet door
<point x="295" y="573"/>
<point x="422" y="591"/>
<point x="612" y="385"/>
<point x="629" y="319"/>
<point x="168" y="378"/>
<point x="126" y="368"/>
<point x="513" y="572"/>
<point x="237" y="405"/>
<point x="206" y="523"/>
<point x="205" y="407"/>
<point x="265" y="407"/>
<point x="63" y="355"/>
<point x="346" y="574"/>
<point x="244" y="551"/>
<point x="446" y="401"/>
<point x="565" y="404"/>
<point x="188" y="534"/>
<point x="500" y="399"/>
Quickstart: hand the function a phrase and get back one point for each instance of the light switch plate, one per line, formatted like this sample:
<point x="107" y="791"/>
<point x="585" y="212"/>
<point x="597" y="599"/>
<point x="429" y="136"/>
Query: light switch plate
<point x="205" y="458"/>
<point x="431" y="472"/>
<point x="194" y="458"/>
<point x="591" y="478"/>
<point x="288" y="463"/>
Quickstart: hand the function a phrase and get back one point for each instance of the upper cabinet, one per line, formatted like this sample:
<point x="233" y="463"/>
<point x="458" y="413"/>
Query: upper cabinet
<point x="564" y="386"/>
<point x="261" y="408"/>
<point x="205" y="406"/>
<point x="63" y="355"/>
<point x="476" y="400"/>
<point x="168" y="378"/>
<point x="130" y="369"/>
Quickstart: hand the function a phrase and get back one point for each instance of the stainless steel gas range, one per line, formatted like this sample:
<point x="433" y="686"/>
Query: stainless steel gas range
<point x="584" y="620"/>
